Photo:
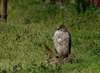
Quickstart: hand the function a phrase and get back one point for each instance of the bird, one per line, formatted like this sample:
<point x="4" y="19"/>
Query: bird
<point x="62" y="41"/>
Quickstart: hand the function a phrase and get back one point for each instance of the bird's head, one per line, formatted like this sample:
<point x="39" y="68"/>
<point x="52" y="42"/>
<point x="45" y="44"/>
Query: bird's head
<point x="62" y="28"/>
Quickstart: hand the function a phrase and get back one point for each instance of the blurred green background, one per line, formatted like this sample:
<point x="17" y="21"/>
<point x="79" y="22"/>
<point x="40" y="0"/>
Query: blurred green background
<point x="30" y="26"/>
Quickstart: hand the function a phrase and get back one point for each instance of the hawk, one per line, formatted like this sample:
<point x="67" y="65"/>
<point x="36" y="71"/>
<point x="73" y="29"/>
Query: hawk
<point x="62" y="41"/>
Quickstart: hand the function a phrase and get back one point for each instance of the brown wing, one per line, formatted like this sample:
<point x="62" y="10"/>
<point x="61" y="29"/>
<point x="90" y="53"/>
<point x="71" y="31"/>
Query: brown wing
<point x="70" y="43"/>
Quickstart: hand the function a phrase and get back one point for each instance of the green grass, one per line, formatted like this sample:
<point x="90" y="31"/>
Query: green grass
<point x="31" y="25"/>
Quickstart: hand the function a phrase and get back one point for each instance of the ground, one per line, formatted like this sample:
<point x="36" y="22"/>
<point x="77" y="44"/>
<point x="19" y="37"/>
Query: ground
<point x="30" y="27"/>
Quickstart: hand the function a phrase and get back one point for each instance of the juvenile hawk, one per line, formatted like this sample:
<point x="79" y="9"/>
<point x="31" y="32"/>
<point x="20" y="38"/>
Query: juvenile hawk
<point x="62" y="41"/>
